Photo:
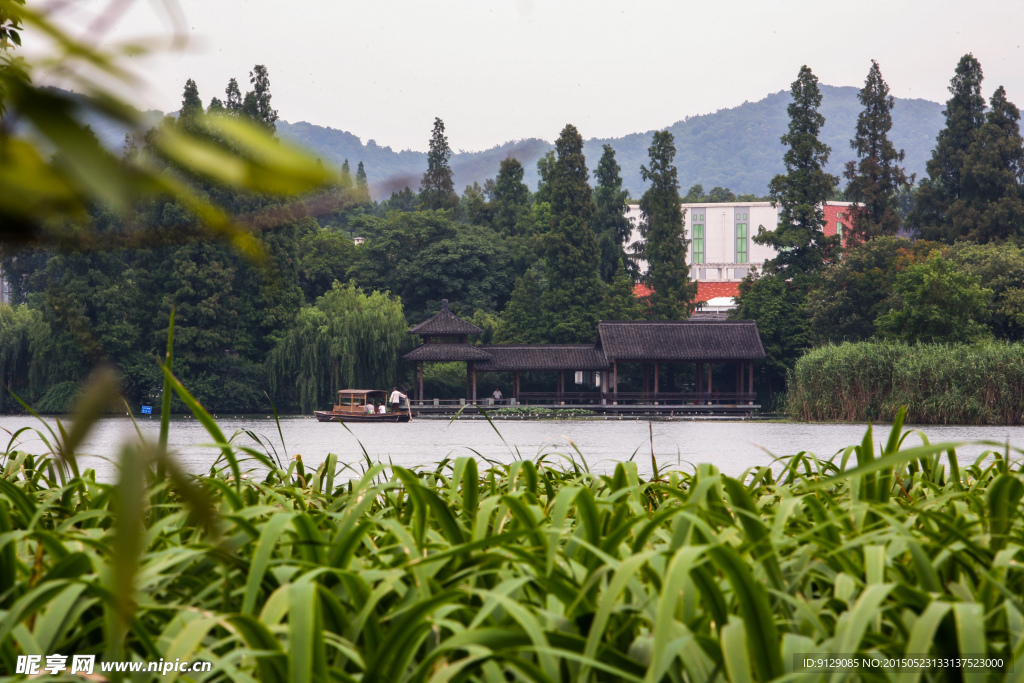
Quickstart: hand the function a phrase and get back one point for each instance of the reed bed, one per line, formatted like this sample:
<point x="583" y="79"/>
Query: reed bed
<point x="531" y="571"/>
<point x="939" y="383"/>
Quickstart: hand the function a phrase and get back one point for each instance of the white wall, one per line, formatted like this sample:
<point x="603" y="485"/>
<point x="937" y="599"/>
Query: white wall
<point x="720" y="236"/>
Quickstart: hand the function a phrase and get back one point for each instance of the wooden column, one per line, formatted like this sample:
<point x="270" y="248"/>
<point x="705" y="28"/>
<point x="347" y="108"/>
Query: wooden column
<point x="473" y="366"/>
<point x="421" y="381"/>
<point x="698" y="369"/>
<point x="615" y="378"/>
<point x="750" y="373"/>
<point x="655" y="380"/>
<point x="709" y="379"/>
<point x="515" y="386"/>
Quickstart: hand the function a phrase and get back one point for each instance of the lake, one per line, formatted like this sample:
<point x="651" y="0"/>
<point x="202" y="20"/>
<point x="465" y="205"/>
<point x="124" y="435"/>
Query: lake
<point x="733" y="446"/>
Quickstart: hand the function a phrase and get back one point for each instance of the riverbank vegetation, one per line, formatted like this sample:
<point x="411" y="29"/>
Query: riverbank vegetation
<point x="941" y="383"/>
<point x="535" y="570"/>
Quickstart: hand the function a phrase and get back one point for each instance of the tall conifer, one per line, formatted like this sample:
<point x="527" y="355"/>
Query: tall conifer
<point x="799" y="237"/>
<point x="573" y="296"/>
<point x="611" y="227"/>
<point x="965" y="114"/>
<point x="191" y="106"/>
<point x="233" y="101"/>
<point x="991" y="203"/>
<point x="511" y="198"/>
<point x="259" y="78"/>
<point x="346" y="176"/>
<point x="437" y="189"/>
<point x="663" y="243"/>
<point x="877" y="178"/>
<point x="362" y="184"/>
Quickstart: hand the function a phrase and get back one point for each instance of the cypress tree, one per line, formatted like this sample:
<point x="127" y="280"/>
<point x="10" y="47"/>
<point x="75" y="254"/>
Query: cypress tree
<point x="573" y="296"/>
<point x="511" y="198"/>
<point x="362" y="184"/>
<point x="877" y="179"/>
<point x="620" y="303"/>
<point x="991" y="205"/>
<point x="799" y="237"/>
<point x="611" y="227"/>
<point x="251" y="107"/>
<point x="545" y="169"/>
<point x="191" y="107"/>
<point x="663" y="242"/>
<point x="233" y="101"/>
<point x="965" y="114"/>
<point x="437" y="189"/>
<point x="216" y="106"/>
<point x="521" y="321"/>
<point x="346" y="176"/>
<point x="259" y="78"/>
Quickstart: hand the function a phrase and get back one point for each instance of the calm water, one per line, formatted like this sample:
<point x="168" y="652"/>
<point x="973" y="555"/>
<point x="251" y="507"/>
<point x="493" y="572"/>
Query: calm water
<point x="732" y="446"/>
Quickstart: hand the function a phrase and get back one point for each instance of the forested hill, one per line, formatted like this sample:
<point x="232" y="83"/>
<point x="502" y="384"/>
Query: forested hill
<point x="737" y="148"/>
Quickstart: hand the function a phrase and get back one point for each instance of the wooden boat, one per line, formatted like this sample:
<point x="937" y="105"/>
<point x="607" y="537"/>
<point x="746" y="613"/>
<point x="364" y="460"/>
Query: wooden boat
<point x="351" y="407"/>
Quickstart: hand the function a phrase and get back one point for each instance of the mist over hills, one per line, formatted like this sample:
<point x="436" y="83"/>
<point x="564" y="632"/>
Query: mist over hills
<point x="737" y="148"/>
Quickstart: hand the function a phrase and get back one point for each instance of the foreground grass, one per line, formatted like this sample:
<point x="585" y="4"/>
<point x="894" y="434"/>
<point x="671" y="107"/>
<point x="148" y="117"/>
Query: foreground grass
<point x="525" y="571"/>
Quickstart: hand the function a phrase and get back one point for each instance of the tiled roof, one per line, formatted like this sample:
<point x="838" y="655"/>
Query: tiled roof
<point x="445" y="323"/>
<point x="446" y="352"/>
<point x="712" y="290"/>
<point x="507" y="357"/>
<point x="640" y="290"/>
<point x="685" y="340"/>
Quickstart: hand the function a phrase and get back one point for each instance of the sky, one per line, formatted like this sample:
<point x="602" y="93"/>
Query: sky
<point x="499" y="71"/>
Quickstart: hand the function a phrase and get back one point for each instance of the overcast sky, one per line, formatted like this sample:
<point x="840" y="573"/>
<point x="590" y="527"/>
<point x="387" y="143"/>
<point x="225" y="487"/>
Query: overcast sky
<point x="496" y="71"/>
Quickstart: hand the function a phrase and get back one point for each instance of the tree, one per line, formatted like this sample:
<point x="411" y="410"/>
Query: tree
<point x="611" y="227"/>
<point x="233" y="97"/>
<point x="251" y="107"/>
<point x="259" y="78"/>
<point x="437" y="190"/>
<point x="799" y="237"/>
<point x="347" y="339"/>
<point x="935" y="301"/>
<point x="1000" y="267"/>
<point x="345" y="181"/>
<point x="545" y="172"/>
<point x="522" y="320"/>
<point x="362" y="185"/>
<point x="877" y="179"/>
<point x="474" y="207"/>
<point x="511" y="199"/>
<point x="620" y="303"/>
<point x="191" y="107"/>
<point x="663" y="244"/>
<point x="852" y="293"/>
<point x="777" y="306"/>
<point x="324" y="257"/>
<point x="216" y="106"/>
<point x="965" y="114"/>
<point x="991" y="205"/>
<point x="573" y="296"/>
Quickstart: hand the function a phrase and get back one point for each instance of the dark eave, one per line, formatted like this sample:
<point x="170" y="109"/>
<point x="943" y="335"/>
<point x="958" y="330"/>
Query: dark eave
<point x="682" y="341"/>
<point x="446" y="353"/>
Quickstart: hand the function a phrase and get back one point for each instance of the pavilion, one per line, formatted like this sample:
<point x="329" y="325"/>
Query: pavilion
<point x="659" y="347"/>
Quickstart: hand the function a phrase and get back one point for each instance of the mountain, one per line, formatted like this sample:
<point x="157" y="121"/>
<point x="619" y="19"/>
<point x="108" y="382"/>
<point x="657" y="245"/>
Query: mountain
<point x="737" y="148"/>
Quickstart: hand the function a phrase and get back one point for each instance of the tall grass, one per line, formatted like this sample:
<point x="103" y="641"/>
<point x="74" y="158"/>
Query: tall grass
<point x="524" y="571"/>
<point x="940" y="384"/>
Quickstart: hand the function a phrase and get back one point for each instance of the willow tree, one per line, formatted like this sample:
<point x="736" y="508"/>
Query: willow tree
<point x="348" y="339"/>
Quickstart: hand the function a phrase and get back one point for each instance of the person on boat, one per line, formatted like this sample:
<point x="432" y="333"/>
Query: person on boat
<point x="370" y="410"/>
<point x="382" y="409"/>
<point x="396" y="399"/>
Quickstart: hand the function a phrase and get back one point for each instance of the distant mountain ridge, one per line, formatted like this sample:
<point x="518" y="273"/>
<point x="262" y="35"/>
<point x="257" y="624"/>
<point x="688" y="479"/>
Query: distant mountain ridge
<point x="738" y="147"/>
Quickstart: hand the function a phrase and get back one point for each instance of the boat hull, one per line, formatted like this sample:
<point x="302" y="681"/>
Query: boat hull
<point x="331" y="416"/>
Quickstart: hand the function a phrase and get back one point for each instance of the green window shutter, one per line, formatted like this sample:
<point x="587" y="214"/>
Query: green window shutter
<point x="741" y="243"/>
<point x="698" y="243"/>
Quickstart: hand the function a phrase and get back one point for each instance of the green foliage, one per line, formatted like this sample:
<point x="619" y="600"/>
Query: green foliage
<point x="22" y="331"/>
<point x="474" y="207"/>
<point x="444" y="380"/>
<point x="521" y="571"/>
<point x="717" y="195"/>
<point x="935" y="301"/>
<point x="233" y="97"/>
<point x="437" y="191"/>
<point x="511" y="206"/>
<point x="259" y="78"/>
<point x="620" y="303"/>
<point x="424" y="257"/>
<point x="777" y="306"/>
<point x="852" y="293"/>
<point x="574" y="288"/>
<point x="348" y="339"/>
<point x="939" y="383"/>
<point x="991" y="204"/>
<point x="799" y="239"/>
<point x="324" y="256"/>
<point x="1000" y="268"/>
<point x="522" y="320"/>
<point x="965" y="114"/>
<point x="611" y="227"/>
<point x="877" y="178"/>
<point x="663" y="244"/>
<point x="191" y="107"/>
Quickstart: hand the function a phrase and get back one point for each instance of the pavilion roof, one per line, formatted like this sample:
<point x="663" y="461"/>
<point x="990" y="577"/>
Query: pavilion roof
<point x="445" y="323"/>
<point x="447" y="352"/>
<point x="680" y="340"/>
<point x="509" y="357"/>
